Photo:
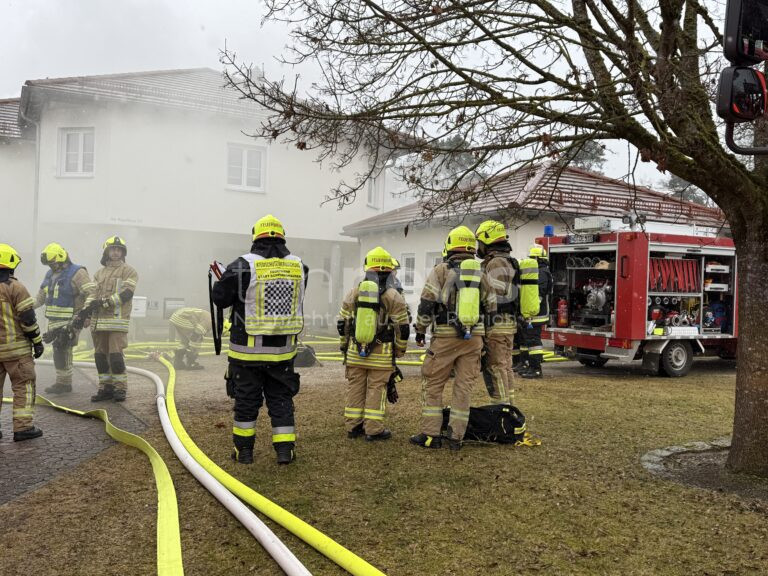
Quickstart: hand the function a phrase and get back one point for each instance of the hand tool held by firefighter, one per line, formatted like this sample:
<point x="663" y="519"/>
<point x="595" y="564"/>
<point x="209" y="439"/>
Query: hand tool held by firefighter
<point x="217" y="314"/>
<point x="218" y="269"/>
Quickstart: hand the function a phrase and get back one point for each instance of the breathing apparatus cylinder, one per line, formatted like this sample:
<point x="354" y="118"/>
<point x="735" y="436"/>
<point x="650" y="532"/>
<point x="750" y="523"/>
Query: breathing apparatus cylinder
<point x="366" y="315"/>
<point x="468" y="296"/>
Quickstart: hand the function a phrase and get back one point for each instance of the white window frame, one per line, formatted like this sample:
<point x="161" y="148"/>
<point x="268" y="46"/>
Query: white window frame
<point x="430" y="259"/>
<point x="403" y="272"/>
<point x="244" y="149"/>
<point x="80" y="171"/>
<point x="374" y="197"/>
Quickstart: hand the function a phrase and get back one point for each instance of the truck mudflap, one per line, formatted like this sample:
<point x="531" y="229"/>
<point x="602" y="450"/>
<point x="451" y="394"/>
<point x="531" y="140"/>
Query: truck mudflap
<point x="653" y="349"/>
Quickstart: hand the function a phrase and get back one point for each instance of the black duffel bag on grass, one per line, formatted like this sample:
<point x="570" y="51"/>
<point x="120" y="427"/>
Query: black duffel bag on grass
<point x="500" y="423"/>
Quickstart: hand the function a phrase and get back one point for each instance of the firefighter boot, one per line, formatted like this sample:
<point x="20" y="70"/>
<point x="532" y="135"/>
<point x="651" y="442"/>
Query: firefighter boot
<point x="178" y="360"/>
<point x="534" y="369"/>
<point x="59" y="388"/>
<point x="383" y="435"/>
<point x="105" y="393"/>
<point x="356" y="432"/>
<point x="118" y="395"/>
<point x="243" y="455"/>
<point x="285" y="452"/>
<point x="27" y="434"/>
<point x="192" y="363"/>
<point x="426" y="441"/>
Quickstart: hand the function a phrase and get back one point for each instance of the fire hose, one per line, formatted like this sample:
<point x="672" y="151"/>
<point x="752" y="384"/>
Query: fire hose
<point x="168" y="541"/>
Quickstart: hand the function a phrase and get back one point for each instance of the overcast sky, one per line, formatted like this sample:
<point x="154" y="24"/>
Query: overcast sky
<point x="59" y="38"/>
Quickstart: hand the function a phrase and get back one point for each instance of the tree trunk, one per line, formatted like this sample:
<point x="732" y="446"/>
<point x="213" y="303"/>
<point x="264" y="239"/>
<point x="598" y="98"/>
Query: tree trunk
<point x="749" y="447"/>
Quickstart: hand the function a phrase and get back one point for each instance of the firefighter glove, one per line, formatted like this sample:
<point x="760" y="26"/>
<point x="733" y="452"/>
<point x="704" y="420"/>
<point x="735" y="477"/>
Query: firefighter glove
<point x="392" y="395"/>
<point x="421" y="339"/>
<point x="78" y="322"/>
<point x="38" y="349"/>
<point x="49" y="337"/>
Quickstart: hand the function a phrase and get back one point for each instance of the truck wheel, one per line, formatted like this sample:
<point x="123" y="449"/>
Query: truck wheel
<point x="593" y="362"/>
<point x="676" y="359"/>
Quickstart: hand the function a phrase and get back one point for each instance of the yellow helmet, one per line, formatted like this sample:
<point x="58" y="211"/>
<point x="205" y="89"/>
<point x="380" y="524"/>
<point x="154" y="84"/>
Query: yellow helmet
<point x="378" y="259"/>
<point x="109" y="243"/>
<point x="53" y="254"/>
<point x="9" y="258"/>
<point x="490" y="232"/>
<point x="395" y="264"/>
<point x="460" y="239"/>
<point x="537" y="251"/>
<point x="268" y="227"/>
<point x="115" y="241"/>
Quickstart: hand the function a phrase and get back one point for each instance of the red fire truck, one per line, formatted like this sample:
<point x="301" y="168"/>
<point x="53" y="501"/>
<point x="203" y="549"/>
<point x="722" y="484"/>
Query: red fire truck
<point x="659" y="298"/>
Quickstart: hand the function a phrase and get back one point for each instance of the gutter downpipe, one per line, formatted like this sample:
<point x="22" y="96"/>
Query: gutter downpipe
<point x="36" y="197"/>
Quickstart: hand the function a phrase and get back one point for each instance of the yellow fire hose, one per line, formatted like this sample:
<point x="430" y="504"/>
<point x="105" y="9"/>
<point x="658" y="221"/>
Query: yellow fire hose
<point x="168" y="538"/>
<point x="319" y="541"/>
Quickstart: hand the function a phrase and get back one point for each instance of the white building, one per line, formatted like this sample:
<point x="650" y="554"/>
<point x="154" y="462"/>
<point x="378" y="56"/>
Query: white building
<point x="526" y="200"/>
<point x="164" y="159"/>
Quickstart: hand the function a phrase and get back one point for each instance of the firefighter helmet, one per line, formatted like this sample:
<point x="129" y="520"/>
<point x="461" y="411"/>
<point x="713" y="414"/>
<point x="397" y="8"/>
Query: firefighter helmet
<point x="460" y="239"/>
<point x="378" y="260"/>
<point x="53" y="254"/>
<point x="395" y="264"/>
<point x="268" y="227"/>
<point x="490" y="232"/>
<point x="537" y="251"/>
<point x="9" y="258"/>
<point x="111" y="242"/>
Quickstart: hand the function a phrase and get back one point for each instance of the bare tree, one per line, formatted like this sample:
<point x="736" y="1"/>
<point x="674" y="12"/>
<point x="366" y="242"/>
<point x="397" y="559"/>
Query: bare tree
<point x="687" y="191"/>
<point x="514" y="79"/>
<point x="589" y="155"/>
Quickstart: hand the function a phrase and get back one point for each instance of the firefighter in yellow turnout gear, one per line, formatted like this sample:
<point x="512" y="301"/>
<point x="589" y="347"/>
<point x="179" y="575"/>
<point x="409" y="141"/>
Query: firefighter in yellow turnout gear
<point x="536" y="288"/>
<point x="191" y="324"/>
<point x="115" y="286"/>
<point x="456" y="302"/>
<point x="265" y="289"/>
<point x="19" y="340"/>
<point x="373" y="327"/>
<point x="64" y="291"/>
<point x="501" y="271"/>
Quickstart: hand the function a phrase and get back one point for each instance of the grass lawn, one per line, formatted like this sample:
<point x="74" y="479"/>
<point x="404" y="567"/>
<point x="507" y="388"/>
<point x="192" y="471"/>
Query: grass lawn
<point x="578" y="504"/>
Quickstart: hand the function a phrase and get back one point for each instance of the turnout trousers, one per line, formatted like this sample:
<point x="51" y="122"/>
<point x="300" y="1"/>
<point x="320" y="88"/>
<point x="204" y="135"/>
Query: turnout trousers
<point x="500" y="366"/>
<point x="250" y="385"/>
<point x="366" y="398"/>
<point x="109" y="359"/>
<point x="21" y="371"/>
<point x="532" y="347"/>
<point x="62" y="358"/>
<point x="446" y="354"/>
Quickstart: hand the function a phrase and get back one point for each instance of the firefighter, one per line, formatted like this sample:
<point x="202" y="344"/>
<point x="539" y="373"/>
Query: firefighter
<point x="456" y="302"/>
<point x="19" y="340"/>
<point x="191" y="324"/>
<point x="63" y="291"/>
<point x="265" y="289"/>
<point x="532" y="348"/>
<point x="502" y="273"/>
<point x="374" y="330"/>
<point x="111" y="305"/>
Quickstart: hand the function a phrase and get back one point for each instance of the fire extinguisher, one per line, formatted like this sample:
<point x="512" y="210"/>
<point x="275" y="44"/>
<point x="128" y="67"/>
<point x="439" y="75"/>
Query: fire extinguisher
<point x="562" y="313"/>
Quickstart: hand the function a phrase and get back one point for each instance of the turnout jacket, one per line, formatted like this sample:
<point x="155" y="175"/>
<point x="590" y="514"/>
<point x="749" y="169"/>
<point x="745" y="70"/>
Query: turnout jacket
<point x="18" y="324"/>
<point x="115" y="283"/>
<point x="64" y="299"/>
<point x="192" y="321"/>
<point x="392" y="330"/>
<point x="545" y="289"/>
<point x="231" y="291"/>
<point x="502" y="277"/>
<point x="438" y="300"/>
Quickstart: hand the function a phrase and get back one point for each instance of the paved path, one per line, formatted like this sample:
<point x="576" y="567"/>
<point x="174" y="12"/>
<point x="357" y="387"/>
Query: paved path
<point x="67" y="439"/>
